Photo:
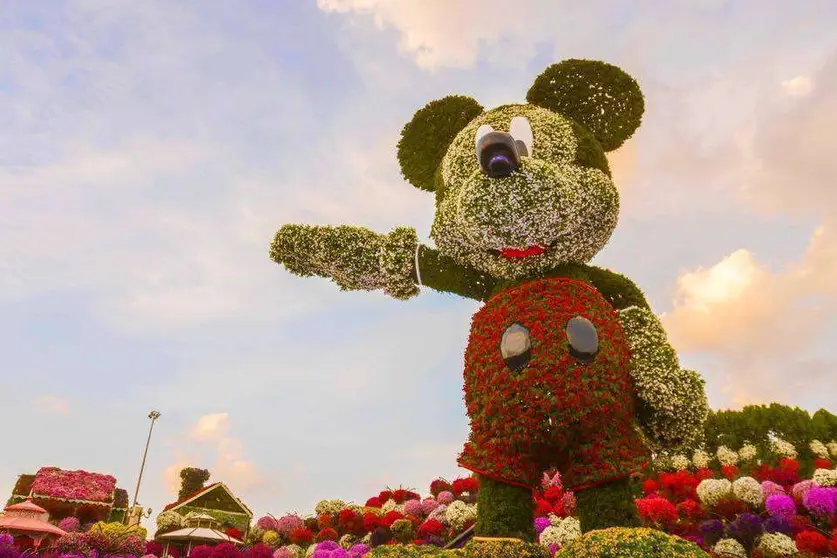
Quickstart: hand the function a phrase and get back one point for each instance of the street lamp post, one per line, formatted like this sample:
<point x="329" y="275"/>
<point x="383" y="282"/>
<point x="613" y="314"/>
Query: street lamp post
<point x="153" y="415"/>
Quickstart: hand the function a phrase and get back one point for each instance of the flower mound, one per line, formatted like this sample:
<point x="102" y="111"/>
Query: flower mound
<point x="630" y="543"/>
<point x="52" y="482"/>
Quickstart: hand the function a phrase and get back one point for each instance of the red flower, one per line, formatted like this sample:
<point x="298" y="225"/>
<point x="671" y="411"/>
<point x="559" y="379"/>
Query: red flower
<point x="384" y="496"/>
<point x="542" y="508"/>
<point x="431" y="527"/>
<point x="821" y="463"/>
<point x="650" y="486"/>
<point x="374" y="502"/>
<point x="439" y="485"/>
<point x="729" y="471"/>
<point x="400" y="496"/>
<point x="689" y="509"/>
<point x="811" y="541"/>
<point x="301" y="536"/>
<point x="800" y="523"/>
<point x="371" y="522"/>
<point x="789" y="465"/>
<point x="391" y="517"/>
<point x="324" y="520"/>
<point x="468" y="484"/>
<point x="553" y="494"/>
<point x="656" y="510"/>
<point x="233" y="532"/>
<point x="703" y="474"/>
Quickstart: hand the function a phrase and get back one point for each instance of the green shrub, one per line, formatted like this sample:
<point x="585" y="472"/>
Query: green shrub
<point x="620" y="542"/>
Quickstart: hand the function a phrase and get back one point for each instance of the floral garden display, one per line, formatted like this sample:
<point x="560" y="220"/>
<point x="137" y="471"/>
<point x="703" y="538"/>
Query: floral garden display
<point x="566" y="366"/>
<point x="87" y="496"/>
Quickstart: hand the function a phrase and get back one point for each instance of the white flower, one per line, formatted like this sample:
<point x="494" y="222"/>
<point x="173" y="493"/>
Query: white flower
<point x="458" y="513"/>
<point x="554" y="520"/>
<point x="676" y="398"/>
<point x="748" y="490"/>
<point x="701" y="459"/>
<point x="832" y="448"/>
<point x="726" y="456"/>
<point x="295" y="550"/>
<point x="680" y="462"/>
<point x="783" y="448"/>
<point x="819" y="449"/>
<point x="777" y="544"/>
<point x="712" y="491"/>
<point x="729" y="548"/>
<point x="567" y="530"/>
<point x="329" y="507"/>
<point x="825" y="477"/>
<point x="439" y="513"/>
<point x="389" y="505"/>
<point x="747" y="452"/>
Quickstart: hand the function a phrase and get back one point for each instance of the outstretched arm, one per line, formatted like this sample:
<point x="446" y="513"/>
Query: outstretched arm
<point x="672" y="401"/>
<point x="355" y="258"/>
<point x="359" y="259"/>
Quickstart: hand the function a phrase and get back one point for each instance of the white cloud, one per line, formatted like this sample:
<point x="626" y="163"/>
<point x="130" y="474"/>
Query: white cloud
<point x="798" y="86"/>
<point x="211" y="427"/>
<point x="52" y="405"/>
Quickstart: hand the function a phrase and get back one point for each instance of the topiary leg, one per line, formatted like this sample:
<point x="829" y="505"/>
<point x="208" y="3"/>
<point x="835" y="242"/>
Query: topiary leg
<point x="504" y="510"/>
<point x="608" y="505"/>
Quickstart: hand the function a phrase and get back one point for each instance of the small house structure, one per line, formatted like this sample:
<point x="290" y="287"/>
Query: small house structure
<point x="29" y="524"/>
<point x="218" y="502"/>
<point x="201" y="529"/>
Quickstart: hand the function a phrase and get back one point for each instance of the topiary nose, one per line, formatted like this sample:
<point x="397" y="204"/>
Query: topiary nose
<point x="497" y="153"/>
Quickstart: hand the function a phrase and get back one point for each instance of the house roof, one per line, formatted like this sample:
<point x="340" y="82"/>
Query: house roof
<point x="29" y="518"/>
<point x="198" y="534"/>
<point x="192" y="497"/>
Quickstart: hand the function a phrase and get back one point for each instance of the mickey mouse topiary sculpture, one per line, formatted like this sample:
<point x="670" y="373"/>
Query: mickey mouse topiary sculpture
<point x="566" y="366"/>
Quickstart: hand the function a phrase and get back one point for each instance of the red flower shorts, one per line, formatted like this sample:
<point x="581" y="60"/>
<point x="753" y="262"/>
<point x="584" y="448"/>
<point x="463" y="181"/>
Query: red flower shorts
<point x="548" y="386"/>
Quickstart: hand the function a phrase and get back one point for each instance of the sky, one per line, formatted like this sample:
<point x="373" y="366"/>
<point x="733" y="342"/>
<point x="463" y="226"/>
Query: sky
<point x="149" y="150"/>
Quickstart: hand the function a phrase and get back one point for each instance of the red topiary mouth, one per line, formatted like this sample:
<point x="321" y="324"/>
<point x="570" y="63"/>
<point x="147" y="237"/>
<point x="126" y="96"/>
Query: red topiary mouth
<point x="518" y="253"/>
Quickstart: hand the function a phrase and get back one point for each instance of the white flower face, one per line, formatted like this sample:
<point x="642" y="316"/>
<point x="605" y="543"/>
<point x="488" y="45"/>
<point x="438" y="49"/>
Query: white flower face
<point x="547" y="212"/>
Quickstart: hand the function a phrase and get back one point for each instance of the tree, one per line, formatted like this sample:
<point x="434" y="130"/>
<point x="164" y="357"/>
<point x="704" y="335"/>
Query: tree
<point x="192" y="480"/>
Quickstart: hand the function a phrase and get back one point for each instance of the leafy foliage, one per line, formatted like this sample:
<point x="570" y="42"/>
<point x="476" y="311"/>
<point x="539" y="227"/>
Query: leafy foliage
<point x="426" y="138"/>
<point x="192" y="480"/>
<point x="599" y="96"/>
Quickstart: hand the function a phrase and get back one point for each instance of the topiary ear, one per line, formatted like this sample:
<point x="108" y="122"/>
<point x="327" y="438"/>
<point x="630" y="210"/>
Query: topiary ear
<point x="597" y="95"/>
<point x="426" y="138"/>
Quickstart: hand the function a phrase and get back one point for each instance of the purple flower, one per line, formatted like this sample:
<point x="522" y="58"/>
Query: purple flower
<point x="266" y="523"/>
<point x="6" y="540"/>
<point x="339" y="553"/>
<point x="780" y="505"/>
<point x="769" y="488"/>
<point x="288" y="523"/>
<point x="799" y="489"/>
<point x="435" y="540"/>
<point x="69" y="524"/>
<point x="778" y="525"/>
<point x="553" y="548"/>
<point x="445" y="497"/>
<point x="327" y="545"/>
<point x="428" y="505"/>
<point x="413" y="507"/>
<point x="711" y="530"/>
<point x="321" y="554"/>
<point x="541" y="523"/>
<point x="9" y="551"/>
<point x="358" y="550"/>
<point x="745" y="528"/>
<point x="820" y="501"/>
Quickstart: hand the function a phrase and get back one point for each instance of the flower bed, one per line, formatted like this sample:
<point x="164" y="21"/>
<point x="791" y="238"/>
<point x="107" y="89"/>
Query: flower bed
<point x="79" y="486"/>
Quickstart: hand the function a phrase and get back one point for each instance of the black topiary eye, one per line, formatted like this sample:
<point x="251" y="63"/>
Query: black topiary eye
<point x="516" y="347"/>
<point x="583" y="339"/>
